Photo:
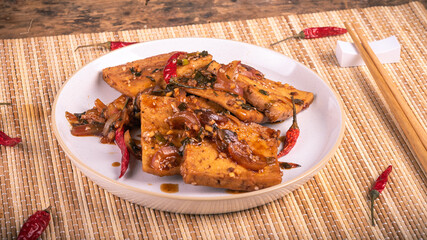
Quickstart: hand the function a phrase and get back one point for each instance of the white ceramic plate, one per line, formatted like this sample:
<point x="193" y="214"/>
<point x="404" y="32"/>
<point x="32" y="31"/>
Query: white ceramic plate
<point x="322" y="127"/>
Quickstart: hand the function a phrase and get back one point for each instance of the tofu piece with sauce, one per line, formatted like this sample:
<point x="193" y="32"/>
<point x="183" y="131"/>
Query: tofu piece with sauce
<point x="134" y="77"/>
<point x="203" y="164"/>
<point x="154" y="111"/>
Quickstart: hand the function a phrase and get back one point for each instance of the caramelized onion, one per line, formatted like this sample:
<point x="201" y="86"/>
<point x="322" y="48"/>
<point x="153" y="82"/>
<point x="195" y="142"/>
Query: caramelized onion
<point x="99" y="105"/>
<point x="109" y="123"/>
<point x="238" y="151"/>
<point x="251" y="72"/>
<point x="184" y="118"/>
<point x="166" y="158"/>
<point x="208" y="117"/>
<point x="226" y="79"/>
<point x="243" y="155"/>
<point x="87" y="130"/>
<point x="93" y="115"/>
<point x="72" y="119"/>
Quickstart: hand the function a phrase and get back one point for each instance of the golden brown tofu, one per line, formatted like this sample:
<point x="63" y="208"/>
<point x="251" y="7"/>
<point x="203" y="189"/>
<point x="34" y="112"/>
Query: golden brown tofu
<point x="263" y="141"/>
<point x="154" y="111"/>
<point x="156" y="133"/>
<point x="233" y="103"/>
<point x="134" y="77"/>
<point x="203" y="165"/>
<point x="195" y="102"/>
<point x="270" y="97"/>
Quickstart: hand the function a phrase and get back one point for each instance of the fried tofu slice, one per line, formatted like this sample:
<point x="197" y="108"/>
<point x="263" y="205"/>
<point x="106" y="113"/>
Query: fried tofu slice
<point x="263" y="141"/>
<point x="203" y="164"/>
<point x="155" y="110"/>
<point x="232" y="102"/>
<point x="134" y="77"/>
<point x="195" y="102"/>
<point x="270" y="97"/>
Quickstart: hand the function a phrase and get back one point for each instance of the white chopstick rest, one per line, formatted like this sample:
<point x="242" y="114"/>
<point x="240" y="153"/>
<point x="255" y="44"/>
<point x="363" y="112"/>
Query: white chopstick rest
<point x="387" y="51"/>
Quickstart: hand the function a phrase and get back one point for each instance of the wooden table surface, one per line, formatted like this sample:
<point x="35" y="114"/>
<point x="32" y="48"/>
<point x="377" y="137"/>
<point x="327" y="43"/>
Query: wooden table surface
<point x="20" y="18"/>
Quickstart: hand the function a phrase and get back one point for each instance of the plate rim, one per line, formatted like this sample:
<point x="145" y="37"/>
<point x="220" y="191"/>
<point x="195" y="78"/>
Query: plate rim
<point x="310" y="172"/>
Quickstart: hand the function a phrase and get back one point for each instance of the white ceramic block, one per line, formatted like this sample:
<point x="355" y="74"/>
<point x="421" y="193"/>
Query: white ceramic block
<point x="387" y="51"/>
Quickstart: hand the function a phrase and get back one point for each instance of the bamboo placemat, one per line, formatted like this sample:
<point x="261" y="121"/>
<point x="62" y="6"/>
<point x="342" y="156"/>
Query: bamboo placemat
<point x="333" y="204"/>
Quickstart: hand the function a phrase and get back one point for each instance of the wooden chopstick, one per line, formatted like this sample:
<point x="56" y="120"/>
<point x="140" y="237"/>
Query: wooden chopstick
<point x="411" y="128"/>
<point x="392" y="86"/>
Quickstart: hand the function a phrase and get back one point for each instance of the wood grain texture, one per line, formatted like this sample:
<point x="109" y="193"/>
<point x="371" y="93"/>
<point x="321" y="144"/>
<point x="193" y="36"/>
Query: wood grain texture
<point x="20" y="18"/>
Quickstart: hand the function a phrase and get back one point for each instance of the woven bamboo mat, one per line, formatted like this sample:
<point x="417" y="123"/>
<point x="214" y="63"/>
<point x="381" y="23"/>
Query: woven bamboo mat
<point x="333" y="204"/>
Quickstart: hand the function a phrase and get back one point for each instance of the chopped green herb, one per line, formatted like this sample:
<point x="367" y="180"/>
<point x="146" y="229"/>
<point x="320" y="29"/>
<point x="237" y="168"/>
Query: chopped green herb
<point x="232" y="94"/>
<point x="170" y="87"/>
<point x="192" y="54"/>
<point x="159" y="137"/>
<point x="203" y="80"/>
<point x="298" y="101"/>
<point x="227" y="76"/>
<point x="246" y="106"/>
<point x="199" y="134"/>
<point x="204" y="53"/>
<point x="151" y="78"/>
<point x="262" y="91"/>
<point x="156" y="70"/>
<point x="225" y="111"/>
<point x="186" y="141"/>
<point x="135" y="72"/>
<point x="199" y="77"/>
<point x="207" y="66"/>
<point x="174" y="84"/>
<point x="216" y="94"/>
<point x="183" y="62"/>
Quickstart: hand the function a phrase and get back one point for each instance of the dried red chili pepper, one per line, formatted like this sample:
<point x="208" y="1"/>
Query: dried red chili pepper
<point x="120" y="141"/>
<point x="316" y="32"/>
<point x="170" y="69"/>
<point x="292" y="133"/>
<point x="378" y="187"/>
<point x="111" y="45"/>
<point x="8" y="141"/>
<point x="35" y="225"/>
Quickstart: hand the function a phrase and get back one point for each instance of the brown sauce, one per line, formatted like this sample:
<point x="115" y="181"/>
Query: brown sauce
<point x="169" y="188"/>
<point x="234" y="191"/>
<point x="115" y="164"/>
